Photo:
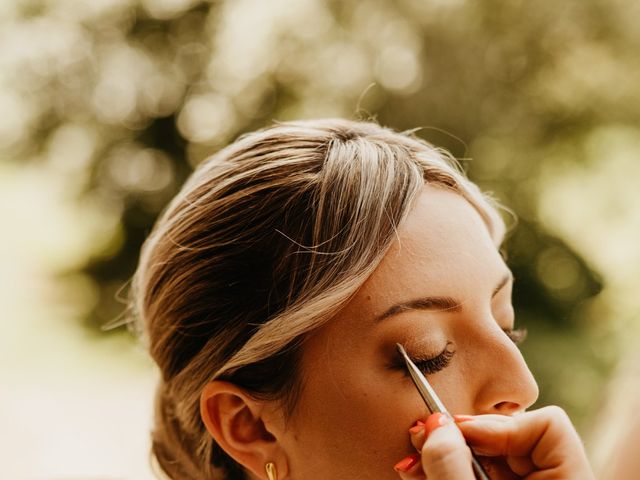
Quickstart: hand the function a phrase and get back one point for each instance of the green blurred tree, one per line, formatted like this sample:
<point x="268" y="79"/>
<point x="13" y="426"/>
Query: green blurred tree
<point x="151" y="88"/>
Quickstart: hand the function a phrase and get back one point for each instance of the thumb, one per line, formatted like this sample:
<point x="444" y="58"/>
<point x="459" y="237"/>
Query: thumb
<point x="445" y="455"/>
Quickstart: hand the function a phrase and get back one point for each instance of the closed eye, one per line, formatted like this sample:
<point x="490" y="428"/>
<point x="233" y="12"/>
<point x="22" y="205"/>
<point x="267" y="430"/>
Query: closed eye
<point x="433" y="364"/>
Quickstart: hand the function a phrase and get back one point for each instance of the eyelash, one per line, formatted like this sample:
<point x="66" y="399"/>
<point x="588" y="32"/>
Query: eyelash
<point x="516" y="335"/>
<point x="437" y="363"/>
<point x="434" y="364"/>
<point x="443" y="359"/>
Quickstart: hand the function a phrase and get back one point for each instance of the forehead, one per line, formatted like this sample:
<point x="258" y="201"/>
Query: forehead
<point x="443" y="247"/>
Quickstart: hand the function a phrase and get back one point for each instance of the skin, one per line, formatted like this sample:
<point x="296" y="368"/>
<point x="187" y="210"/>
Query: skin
<point x="357" y="404"/>
<point x="356" y="407"/>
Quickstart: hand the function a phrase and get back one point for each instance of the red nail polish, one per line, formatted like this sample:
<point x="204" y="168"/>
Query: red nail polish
<point x="406" y="463"/>
<point x="434" y="421"/>
<point x="463" y="418"/>
<point x="417" y="427"/>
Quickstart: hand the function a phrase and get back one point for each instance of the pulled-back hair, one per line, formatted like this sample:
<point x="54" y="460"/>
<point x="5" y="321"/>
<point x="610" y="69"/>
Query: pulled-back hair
<point x="268" y="240"/>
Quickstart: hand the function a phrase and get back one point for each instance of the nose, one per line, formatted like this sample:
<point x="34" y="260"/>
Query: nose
<point x="507" y="386"/>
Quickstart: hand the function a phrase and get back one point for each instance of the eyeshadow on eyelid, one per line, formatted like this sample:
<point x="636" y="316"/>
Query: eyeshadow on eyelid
<point x="422" y="346"/>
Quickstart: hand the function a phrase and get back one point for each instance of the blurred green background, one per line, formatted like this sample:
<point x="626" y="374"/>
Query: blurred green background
<point x="108" y="105"/>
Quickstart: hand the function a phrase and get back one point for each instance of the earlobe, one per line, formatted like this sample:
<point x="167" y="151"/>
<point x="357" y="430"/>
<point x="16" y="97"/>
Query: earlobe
<point x="238" y="424"/>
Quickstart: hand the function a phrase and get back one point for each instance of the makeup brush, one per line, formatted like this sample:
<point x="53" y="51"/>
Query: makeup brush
<point x="434" y="404"/>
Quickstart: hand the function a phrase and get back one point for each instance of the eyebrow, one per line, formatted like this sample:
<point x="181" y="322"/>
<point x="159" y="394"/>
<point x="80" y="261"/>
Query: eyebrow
<point x="447" y="304"/>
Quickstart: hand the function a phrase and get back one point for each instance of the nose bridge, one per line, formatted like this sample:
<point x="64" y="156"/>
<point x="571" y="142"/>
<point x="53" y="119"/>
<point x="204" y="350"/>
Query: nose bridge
<point x="508" y="385"/>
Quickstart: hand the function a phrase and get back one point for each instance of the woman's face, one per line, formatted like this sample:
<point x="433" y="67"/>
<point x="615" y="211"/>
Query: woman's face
<point x="444" y="292"/>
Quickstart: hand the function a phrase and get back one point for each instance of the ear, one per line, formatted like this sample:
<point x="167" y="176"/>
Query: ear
<point x="245" y="428"/>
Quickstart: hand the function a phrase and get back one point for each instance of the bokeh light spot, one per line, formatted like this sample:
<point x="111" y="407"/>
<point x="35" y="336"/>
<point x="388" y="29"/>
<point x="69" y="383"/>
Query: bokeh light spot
<point x="398" y="69"/>
<point x="207" y="118"/>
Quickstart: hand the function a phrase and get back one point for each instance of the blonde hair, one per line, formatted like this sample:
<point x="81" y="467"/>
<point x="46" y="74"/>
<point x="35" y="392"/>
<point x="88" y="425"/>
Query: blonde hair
<point x="268" y="240"/>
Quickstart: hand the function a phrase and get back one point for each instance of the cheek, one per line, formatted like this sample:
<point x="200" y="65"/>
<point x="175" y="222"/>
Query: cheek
<point x="355" y="425"/>
<point x="455" y="387"/>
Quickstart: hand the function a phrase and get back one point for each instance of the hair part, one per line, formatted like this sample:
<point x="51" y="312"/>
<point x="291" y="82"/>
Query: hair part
<point x="267" y="241"/>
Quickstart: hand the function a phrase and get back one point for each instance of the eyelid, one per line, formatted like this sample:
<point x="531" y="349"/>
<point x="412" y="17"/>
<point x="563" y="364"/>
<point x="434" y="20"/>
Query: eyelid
<point x="506" y="290"/>
<point x="416" y="356"/>
<point x="436" y="363"/>
<point x="507" y="281"/>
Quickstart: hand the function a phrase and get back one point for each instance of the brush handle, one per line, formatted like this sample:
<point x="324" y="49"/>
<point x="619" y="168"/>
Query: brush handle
<point x="477" y="468"/>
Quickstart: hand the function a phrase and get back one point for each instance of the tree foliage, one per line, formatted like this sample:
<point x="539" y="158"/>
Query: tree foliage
<point x="126" y="97"/>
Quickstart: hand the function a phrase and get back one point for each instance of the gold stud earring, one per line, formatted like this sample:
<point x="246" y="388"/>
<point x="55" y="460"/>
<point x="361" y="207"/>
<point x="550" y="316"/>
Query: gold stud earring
<point x="270" y="468"/>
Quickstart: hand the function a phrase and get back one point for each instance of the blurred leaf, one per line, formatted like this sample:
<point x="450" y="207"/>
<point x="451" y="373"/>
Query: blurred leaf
<point x="125" y="97"/>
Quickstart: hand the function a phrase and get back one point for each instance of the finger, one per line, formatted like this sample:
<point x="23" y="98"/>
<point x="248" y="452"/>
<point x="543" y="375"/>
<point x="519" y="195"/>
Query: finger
<point x="521" y="465"/>
<point x="498" y="469"/>
<point x="418" y="435"/>
<point x="519" y="435"/>
<point x="417" y="475"/>
<point x="445" y="455"/>
<point x="489" y="416"/>
<point x="545" y="437"/>
<point x="409" y="468"/>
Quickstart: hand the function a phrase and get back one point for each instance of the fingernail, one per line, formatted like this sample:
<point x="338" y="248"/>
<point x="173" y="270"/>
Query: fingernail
<point x="435" y="421"/>
<point x="463" y="418"/>
<point x="417" y="427"/>
<point x="406" y="463"/>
